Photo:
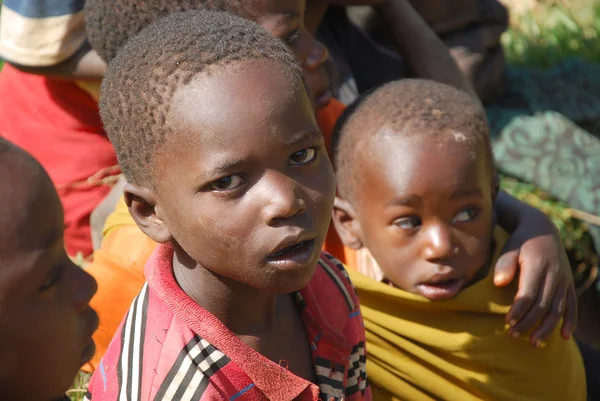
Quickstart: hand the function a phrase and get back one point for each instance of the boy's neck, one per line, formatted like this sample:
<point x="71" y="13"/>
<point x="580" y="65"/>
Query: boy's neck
<point x="243" y="309"/>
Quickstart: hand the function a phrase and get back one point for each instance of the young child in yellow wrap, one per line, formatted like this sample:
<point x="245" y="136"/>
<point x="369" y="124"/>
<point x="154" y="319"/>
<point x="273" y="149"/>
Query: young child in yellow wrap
<point x="416" y="192"/>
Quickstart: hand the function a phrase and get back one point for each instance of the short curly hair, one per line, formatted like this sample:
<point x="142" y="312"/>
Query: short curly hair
<point x="140" y="82"/>
<point x="408" y="107"/>
<point x="111" y="23"/>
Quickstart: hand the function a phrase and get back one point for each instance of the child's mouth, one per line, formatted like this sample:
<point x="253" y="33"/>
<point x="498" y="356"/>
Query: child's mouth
<point x="294" y="256"/>
<point x="442" y="290"/>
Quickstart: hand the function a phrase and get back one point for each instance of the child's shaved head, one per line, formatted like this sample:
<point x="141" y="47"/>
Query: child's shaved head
<point x="139" y="86"/>
<point x="46" y="323"/>
<point x="406" y="108"/>
<point x="416" y="186"/>
<point x="111" y="23"/>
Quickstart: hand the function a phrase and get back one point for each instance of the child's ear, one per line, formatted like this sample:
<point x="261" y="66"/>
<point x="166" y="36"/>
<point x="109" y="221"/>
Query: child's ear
<point x="141" y="202"/>
<point x="346" y="224"/>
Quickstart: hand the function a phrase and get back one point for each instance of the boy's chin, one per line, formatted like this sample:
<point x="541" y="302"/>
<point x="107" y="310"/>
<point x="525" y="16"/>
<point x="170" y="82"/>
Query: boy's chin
<point x="292" y="281"/>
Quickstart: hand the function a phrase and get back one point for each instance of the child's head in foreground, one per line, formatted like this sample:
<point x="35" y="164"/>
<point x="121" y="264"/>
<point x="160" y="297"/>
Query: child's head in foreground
<point x="215" y="133"/>
<point x="111" y="23"/>
<point x="46" y="323"/>
<point x="416" y="185"/>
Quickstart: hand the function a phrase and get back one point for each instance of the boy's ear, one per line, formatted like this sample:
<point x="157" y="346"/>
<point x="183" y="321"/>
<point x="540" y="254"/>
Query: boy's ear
<point x="346" y="224"/>
<point x="141" y="202"/>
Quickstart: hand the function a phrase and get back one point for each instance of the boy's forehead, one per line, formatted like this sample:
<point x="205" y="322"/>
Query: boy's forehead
<point x="393" y="147"/>
<point x="404" y="163"/>
<point x="234" y="95"/>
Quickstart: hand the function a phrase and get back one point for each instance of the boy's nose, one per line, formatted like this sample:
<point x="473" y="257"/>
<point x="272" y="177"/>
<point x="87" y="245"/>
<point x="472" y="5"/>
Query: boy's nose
<point x="283" y="199"/>
<point x="83" y="287"/>
<point x="316" y="57"/>
<point x="439" y="244"/>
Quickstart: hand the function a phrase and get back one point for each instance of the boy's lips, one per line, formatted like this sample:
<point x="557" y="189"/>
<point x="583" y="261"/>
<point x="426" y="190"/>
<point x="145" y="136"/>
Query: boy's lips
<point x="91" y="322"/>
<point x="441" y="290"/>
<point x="293" y="252"/>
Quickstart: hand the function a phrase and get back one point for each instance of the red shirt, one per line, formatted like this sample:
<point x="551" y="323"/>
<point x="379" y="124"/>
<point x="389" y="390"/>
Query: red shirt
<point x="57" y="122"/>
<point x="169" y="348"/>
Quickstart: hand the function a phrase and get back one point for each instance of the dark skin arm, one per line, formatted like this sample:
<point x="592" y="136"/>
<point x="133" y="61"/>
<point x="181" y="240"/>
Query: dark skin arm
<point x="85" y="65"/>
<point x="424" y="53"/>
<point x="546" y="290"/>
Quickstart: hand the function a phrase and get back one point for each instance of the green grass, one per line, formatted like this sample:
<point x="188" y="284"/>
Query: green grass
<point x="77" y="392"/>
<point x="542" y="38"/>
<point x="547" y="35"/>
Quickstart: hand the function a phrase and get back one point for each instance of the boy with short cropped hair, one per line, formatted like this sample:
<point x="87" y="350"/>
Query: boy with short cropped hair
<point x="46" y="323"/>
<point x="226" y="168"/>
<point x="416" y="193"/>
<point x="119" y="263"/>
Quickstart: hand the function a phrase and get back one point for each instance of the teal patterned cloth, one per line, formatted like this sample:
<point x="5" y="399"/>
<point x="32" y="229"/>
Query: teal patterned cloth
<point x="547" y="131"/>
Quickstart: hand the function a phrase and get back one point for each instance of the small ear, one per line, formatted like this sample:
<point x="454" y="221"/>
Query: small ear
<point x="141" y="202"/>
<point x="346" y="224"/>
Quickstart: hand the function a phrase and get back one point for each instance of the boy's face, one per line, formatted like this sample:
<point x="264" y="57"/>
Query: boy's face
<point x="285" y="19"/>
<point x="424" y="210"/>
<point x="46" y="322"/>
<point x="246" y="188"/>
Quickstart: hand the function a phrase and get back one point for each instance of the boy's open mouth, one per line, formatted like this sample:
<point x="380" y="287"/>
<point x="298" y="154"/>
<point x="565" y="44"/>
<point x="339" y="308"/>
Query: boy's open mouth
<point x="293" y="256"/>
<point x="442" y="290"/>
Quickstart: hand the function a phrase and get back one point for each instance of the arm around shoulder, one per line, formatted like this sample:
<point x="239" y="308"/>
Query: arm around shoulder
<point x="424" y="52"/>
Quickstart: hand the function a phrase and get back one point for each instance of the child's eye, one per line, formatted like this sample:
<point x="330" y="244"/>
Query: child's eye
<point x="52" y="279"/>
<point x="408" y="223"/>
<point x="465" y="215"/>
<point x="227" y="183"/>
<point x="291" y="38"/>
<point x="304" y="156"/>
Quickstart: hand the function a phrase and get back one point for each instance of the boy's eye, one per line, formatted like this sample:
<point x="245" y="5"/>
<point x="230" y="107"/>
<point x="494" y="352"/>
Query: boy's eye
<point x="52" y="279"/>
<point x="465" y="215"/>
<point x="227" y="183"/>
<point x="292" y="38"/>
<point x="408" y="223"/>
<point x="304" y="156"/>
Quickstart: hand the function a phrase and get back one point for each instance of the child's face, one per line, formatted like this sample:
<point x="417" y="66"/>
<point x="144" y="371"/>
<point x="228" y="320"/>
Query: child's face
<point x="46" y="322"/>
<point x="246" y="188"/>
<point x="424" y="210"/>
<point x="285" y="19"/>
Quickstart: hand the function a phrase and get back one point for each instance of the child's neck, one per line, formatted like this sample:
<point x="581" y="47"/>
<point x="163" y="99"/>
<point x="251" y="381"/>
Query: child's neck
<point x="243" y="309"/>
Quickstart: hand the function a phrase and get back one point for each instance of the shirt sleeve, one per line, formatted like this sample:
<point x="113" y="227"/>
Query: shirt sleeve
<point x="40" y="33"/>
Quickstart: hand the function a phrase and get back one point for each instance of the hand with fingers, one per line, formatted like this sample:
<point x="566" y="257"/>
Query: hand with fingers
<point x="546" y="291"/>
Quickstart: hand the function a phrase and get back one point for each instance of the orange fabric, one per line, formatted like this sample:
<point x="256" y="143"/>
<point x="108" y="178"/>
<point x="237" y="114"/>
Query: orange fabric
<point x="118" y="265"/>
<point x="326" y="119"/>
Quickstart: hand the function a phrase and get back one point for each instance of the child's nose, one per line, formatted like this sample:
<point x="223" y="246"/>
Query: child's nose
<point x="283" y="199"/>
<point x="83" y="287"/>
<point x="316" y="57"/>
<point x="439" y="244"/>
